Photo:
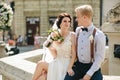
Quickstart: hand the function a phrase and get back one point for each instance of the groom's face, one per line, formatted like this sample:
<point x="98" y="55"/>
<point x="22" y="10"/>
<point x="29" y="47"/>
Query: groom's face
<point x="80" y="19"/>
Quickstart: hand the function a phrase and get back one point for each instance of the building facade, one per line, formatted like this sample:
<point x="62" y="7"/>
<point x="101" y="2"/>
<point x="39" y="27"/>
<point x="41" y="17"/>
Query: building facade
<point x="32" y="16"/>
<point x="37" y="16"/>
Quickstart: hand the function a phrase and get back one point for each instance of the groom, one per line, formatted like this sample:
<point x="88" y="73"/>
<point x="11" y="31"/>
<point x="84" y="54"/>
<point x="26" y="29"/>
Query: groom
<point x="88" y="64"/>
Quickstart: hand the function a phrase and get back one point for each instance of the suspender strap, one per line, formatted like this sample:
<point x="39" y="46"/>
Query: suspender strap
<point x="92" y="45"/>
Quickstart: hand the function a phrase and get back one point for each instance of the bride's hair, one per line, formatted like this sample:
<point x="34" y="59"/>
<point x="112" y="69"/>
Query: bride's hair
<point x="60" y="18"/>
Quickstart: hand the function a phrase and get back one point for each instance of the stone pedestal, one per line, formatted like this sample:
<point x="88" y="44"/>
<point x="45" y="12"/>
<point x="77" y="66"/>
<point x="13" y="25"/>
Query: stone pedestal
<point x="2" y="51"/>
<point x="113" y="32"/>
<point x="112" y="28"/>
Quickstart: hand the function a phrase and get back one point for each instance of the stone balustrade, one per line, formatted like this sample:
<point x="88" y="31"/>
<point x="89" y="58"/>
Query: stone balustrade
<point x="22" y="66"/>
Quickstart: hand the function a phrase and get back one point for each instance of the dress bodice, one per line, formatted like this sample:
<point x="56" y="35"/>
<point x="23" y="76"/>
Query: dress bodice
<point x="64" y="49"/>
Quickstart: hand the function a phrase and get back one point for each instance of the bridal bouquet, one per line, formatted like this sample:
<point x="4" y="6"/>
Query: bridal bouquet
<point x="6" y="15"/>
<point x="54" y="35"/>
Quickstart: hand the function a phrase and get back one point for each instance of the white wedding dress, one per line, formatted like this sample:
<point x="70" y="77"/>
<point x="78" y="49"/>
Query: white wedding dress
<point x="58" y="67"/>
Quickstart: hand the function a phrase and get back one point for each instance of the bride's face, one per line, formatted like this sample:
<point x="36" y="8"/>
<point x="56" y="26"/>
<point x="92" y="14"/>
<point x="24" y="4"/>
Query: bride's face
<point x="65" y="24"/>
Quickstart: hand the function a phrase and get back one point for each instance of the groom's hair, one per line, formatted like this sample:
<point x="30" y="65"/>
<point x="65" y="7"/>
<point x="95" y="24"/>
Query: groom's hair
<point x="85" y="10"/>
<point x="60" y="18"/>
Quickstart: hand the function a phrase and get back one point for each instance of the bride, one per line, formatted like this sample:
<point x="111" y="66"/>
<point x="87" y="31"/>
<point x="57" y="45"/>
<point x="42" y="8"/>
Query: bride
<point x="64" y="53"/>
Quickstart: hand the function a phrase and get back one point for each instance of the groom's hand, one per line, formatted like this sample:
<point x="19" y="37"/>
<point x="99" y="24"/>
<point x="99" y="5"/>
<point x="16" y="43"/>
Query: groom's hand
<point x="86" y="77"/>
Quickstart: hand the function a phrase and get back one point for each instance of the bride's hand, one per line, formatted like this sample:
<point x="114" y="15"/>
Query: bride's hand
<point x="70" y="72"/>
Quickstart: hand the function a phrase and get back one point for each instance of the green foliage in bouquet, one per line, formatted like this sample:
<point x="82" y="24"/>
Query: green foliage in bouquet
<point x="57" y="35"/>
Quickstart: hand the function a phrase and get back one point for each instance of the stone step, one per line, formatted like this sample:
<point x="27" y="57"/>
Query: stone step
<point x="108" y="77"/>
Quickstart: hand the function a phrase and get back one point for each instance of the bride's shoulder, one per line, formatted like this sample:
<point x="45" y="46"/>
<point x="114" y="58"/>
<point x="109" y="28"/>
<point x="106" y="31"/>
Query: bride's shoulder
<point x="72" y="34"/>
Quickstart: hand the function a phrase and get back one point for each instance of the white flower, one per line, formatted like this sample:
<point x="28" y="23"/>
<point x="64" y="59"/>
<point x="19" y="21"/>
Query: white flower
<point x="91" y="37"/>
<point x="6" y="15"/>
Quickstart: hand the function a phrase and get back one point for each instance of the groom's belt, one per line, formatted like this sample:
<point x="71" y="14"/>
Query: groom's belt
<point x="84" y="62"/>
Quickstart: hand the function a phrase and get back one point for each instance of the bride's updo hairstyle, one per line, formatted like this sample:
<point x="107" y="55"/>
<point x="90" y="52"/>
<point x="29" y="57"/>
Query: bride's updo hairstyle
<point x="60" y="18"/>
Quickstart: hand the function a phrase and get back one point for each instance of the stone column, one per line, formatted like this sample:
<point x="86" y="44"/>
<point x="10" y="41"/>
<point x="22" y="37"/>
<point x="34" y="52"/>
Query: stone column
<point x="96" y="10"/>
<point x="43" y="17"/>
<point x="69" y="9"/>
<point x="19" y="18"/>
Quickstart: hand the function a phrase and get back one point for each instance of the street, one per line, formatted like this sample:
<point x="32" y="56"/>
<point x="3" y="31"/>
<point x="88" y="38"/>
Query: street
<point x="26" y="48"/>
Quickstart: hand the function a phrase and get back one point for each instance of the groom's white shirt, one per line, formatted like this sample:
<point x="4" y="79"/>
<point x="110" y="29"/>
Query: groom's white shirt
<point x="83" y="48"/>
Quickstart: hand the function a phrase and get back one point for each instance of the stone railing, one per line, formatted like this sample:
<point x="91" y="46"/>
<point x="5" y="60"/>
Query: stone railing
<point x="22" y="66"/>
